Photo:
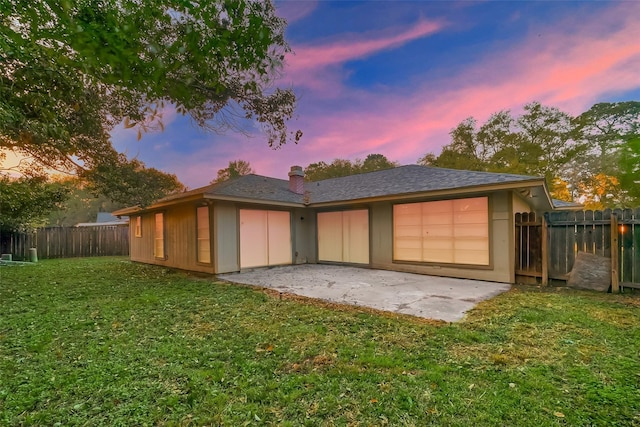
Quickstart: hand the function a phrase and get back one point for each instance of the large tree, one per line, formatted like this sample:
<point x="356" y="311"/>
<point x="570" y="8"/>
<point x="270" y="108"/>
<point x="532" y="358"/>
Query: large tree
<point x="72" y="70"/>
<point x="344" y="167"/>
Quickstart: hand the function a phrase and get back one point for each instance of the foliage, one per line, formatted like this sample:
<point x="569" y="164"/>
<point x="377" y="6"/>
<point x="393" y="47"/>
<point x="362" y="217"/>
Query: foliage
<point x="580" y="157"/>
<point x="26" y="201"/>
<point x="236" y="168"/>
<point x="343" y="167"/>
<point x="72" y="70"/>
<point x="630" y="165"/>
<point x="81" y="205"/>
<point x="103" y="341"/>
<point x="130" y="183"/>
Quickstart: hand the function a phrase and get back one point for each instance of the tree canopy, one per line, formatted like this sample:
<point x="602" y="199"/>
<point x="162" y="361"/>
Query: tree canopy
<point x="343" y="167"/>
<point x="27" y="201"/>
<point x="74" y="69"/>
<point x="587" y="158"/>
<point x="235" y="169"/>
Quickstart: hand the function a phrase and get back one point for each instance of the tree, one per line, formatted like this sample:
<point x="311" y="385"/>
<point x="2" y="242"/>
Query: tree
<point x="27" y="201"/>
<point x="343" y="167"/>
<point x="607" y="126"/>
<point x="81" y="204"/>
<point x="580" y="157"/>
<point x="72" y="70"/>
<point x="236" y="168"/>
<point x="376" y="162"/>
<point x="130" y="183"/>
<point x="630" y="170"/>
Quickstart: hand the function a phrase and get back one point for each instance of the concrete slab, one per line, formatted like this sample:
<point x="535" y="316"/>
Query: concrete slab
<point x="431" y="297"/>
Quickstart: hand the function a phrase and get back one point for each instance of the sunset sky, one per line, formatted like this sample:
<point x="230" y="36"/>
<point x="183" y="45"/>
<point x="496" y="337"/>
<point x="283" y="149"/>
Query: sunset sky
<point x="395" y="77"/>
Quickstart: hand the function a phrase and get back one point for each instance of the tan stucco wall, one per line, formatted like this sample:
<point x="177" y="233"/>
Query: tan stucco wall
<point x="501" y="244"/>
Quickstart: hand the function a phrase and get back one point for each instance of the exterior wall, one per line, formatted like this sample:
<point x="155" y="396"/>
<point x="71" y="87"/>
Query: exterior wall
<point x="181" y="239"/>
<point x="501" y="244"/>
<point x="225" y="230"/>
<point x="519" y="205"/>
<point x="303" y="236"/>
<point x="180" y="243"/>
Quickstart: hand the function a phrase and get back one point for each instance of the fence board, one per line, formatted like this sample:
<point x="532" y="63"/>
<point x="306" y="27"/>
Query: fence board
<point x="570" y="232"/>
<point x="68" y="242"/>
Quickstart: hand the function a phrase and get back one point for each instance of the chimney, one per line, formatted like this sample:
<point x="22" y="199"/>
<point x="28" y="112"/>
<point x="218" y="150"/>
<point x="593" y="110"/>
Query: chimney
<point x="296" y="180"/>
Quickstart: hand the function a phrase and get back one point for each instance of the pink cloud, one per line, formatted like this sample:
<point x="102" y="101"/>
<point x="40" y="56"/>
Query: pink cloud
<point x="571" y="68"/>
<point x="311" y="65"/>
<point x="571" y="65"/>
<point x="293" y="11"/>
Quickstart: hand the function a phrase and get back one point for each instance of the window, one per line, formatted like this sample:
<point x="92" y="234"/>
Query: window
<point x="138" y="226"/>
<point x="158" y="244"/>
<point x="445" y="231"/>
<point x="202" y="224"/>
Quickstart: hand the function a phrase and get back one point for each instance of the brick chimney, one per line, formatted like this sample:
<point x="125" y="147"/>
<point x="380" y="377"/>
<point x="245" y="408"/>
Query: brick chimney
<point x="296" y="180"/>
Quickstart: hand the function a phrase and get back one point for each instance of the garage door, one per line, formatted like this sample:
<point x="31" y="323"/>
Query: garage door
<point x="265" y="238"/>
<point x="344" y="236"/>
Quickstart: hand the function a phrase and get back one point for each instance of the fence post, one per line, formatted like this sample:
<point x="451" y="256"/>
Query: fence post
<point x="545" y="252"/>
<point x="615" y="286"/>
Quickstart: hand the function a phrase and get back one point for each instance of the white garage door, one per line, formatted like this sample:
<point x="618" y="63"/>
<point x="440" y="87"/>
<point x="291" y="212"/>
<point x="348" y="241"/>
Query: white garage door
<point x="265" y="238"/>
<point x="344" y="236"/>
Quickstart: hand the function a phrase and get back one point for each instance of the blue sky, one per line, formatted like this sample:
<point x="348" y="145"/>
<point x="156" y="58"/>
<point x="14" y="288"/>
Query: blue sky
<point x="394" y="77"/>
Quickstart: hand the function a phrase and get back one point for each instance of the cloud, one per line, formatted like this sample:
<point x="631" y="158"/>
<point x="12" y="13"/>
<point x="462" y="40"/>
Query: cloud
<point x="294" y="11"/>
<point x="311" y="65"/>
<point x="570" y="63"/>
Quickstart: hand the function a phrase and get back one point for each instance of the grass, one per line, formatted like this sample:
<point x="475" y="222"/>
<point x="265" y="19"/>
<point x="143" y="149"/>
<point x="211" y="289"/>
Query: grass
<point x="104" y="341"/>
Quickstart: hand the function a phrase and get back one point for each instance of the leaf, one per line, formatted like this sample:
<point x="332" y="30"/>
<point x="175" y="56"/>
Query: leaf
<point x="374" y="400"/>
<point x="128" y="124"/>
<point x="558" y="414"/>
<point x="471" y="386"/>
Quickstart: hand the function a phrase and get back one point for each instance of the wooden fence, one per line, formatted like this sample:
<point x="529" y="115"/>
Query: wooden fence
<point x="67" y="242"/>
<point x="546" y="246"/>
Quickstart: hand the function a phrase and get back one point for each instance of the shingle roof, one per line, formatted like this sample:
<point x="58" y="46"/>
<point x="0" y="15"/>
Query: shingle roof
<point x="256" y="187"/>
<point x="564" y="204"/>
<point x="403" y="180"/>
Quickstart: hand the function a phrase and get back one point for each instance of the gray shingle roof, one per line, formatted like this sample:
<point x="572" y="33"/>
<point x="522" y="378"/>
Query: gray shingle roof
<point x="403" y="180"/>
<point x="256" y="187"/>
<point x="564" y="204"/>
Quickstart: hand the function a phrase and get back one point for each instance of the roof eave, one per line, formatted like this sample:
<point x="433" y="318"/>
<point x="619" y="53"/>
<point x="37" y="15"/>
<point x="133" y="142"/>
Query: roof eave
<point x="445" y="192"/>
<point x="253" y="201"/>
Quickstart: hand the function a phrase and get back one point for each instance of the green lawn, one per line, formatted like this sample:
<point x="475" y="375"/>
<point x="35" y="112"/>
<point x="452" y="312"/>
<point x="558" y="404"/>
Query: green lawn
<point x="104" y="341"/>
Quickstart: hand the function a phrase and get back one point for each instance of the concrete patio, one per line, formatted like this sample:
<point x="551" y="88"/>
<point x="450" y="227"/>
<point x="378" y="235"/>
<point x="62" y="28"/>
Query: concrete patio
<point x="439" y="298"/>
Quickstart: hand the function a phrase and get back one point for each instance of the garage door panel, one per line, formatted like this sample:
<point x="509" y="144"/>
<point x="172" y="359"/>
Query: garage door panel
<point x="343" y="236"/>
<point x="356" y="237"/>
<point x="279" y="232"/>
<point x="265" y="238"/>
<point x="253" y="238"/>
<point x="330" y="236"/>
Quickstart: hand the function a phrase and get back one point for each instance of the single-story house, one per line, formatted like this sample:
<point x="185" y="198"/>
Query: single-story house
<point x="410" y="218"/>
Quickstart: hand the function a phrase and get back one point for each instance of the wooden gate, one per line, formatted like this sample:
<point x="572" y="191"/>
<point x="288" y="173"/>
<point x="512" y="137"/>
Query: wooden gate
<point x="546" y="246"/>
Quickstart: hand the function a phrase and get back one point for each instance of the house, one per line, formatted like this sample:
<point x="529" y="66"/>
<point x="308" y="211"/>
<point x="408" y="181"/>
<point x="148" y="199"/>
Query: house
<point x="410" y="218"/>
<point x="105" y="219"/>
